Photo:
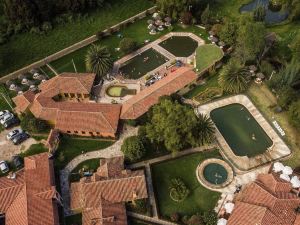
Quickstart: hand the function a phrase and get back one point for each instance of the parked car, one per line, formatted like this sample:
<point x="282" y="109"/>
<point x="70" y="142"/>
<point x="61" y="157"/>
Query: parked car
<point x="13" y="133"/>
<point x="4" y="167"/>
<point x="3" y="113"/>
<point x="12" y="122"/>
<point x="6" y="117"/>
<point x="17" y="161"/>
<point x="20" y="138"/>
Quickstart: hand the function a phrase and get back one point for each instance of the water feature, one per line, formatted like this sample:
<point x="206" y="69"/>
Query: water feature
<point x="180" y="46"/>
<point x="215" y="173"/>
<point x="272" y="17"/>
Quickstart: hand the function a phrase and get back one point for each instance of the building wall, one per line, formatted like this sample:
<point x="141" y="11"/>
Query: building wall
<point x="89" y="134"/>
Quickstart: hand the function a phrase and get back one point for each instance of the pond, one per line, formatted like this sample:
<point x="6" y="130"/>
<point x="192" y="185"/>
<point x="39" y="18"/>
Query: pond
<point x="272" y="17"/>
<point x="119" y="91"/>
<point x="215" y="173"/>
<point x="142" y="63"/>
<point x="240" y="130"/>
<point x="180" y="46"/>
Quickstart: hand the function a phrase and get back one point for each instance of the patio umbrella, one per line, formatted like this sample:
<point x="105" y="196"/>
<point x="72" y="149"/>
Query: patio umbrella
<point x="252" y="68"/>
<point x="295" y="182"/>
<point x="221" y="43"/>
<point x="222" y="221"/>
<point x="278" y="167"/>
<point x="211" y="33"/>
<point x="287" y="170"/>
<point x="155" y="15"/>
<point x="150" y="21"/>
<point x="151" y="27"/>
<point x="214" y="39"/>
<point x="229" y="207"/>
<point x="285" y="177"/>
<point x="168" y="19"/>
<point x="159" y="23"/>
<point x="260" y="75"/>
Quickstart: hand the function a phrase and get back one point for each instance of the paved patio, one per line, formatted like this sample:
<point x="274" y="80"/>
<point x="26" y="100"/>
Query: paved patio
<point x="241" y="164"/>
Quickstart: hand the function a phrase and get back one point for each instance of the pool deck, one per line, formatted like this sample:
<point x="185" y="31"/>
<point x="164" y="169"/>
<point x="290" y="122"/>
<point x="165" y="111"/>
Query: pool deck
<point x="155" y="45"/>
<point x="243" y="163"/>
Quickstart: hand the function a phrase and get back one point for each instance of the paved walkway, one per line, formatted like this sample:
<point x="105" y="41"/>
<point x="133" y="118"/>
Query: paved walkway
<point x="149" y="219"/>
<point x="112" y="151"/>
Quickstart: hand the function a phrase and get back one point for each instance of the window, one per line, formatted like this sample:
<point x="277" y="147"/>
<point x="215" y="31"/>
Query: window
<point x="69" y="132"/>
<point x="83" y="132"/>
<point x="76" y="132"/>
<point x="98" y="133"/>
<point x="72" y="95"/>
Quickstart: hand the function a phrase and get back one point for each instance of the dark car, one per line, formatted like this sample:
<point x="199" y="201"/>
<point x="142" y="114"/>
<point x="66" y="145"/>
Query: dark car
<point x="20" y="138"/>
<point x="17" y="161"/>
<point x="11" y="122"/>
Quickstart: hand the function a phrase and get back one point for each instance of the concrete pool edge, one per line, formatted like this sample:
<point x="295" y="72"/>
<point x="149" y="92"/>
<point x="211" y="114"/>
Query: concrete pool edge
<point x="202" y="180"/>
<point x="242" y="164"/>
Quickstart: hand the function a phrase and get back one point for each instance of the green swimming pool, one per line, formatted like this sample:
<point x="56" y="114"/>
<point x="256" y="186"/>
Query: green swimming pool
<point x="240" y="130"/>
<point x="143" y="63"/>
<point x="180" y="46"/>
<point x="119" y="91"/>
<point x="215" y="173"/>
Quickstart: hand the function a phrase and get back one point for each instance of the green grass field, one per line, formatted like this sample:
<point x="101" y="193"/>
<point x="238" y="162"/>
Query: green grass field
<point x="199" y="200"/>
<point x="26" y="48"/>
<point x="89" y="165"/>
<point x="71" y="147"/>
<point x="137" y="31"/>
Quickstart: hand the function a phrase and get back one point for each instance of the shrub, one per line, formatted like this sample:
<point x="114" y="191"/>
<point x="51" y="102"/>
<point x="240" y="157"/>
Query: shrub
<point x="32" y="124"/>
<point x="259" y="13"/>
<point x="46" y="26"/>
<point x="35" y="30"/>
<point x="178" y="190"/>
<point x="287" y="95"/>
<point x="170" y="28"/>
<point x="294" y="114"/>
<point x="266" y="68"/>
<point x="186" y="18"/>
<point x="216" y="28"/>
<point x="195" y="220"/>
<point x="275" y="5"/>
<point x="210" y="218"/>
<point x="133" y="148"/>
<point x="127" y="45"/>
<point x="18" y="28"/>
<point x="174" y="217"/>
<point x="99" y="35"/>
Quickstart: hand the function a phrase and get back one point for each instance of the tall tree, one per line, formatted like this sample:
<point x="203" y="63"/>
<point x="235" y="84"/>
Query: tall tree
<point x="228" y="32"/>
<point x="250" y="40"/>
<point x="233" y="77"/>
<point x="98" y="60"/>
<point x="174" y="8"/>
<point x="204" y="130"/>
<point x="206" y="16"/>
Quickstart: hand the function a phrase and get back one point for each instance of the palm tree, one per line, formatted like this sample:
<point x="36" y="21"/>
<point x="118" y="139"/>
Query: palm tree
<point x="205" y="129"/>
<point x="98" y="60"/>
<point x="234" y="77"/>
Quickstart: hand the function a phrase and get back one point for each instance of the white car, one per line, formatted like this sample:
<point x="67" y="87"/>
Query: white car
<point x="6" y="117"/>
<point x="4" y="167"/>
<point x="3" y="113"/>
<point x="14" y="133"/>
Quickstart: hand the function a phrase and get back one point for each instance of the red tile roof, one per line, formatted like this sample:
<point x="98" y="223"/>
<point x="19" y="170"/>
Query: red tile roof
<point x="101" y="198"/>
<point x="29" y="198"/>
<point x="267" y="201"/>
<point x="23" y="101"/>
<point x="140" y="103"/>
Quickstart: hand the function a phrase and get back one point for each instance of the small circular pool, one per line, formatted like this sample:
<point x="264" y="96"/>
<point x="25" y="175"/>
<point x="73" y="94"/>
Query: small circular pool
<point x="119" y="91"/>
<point x="214" y="173"/>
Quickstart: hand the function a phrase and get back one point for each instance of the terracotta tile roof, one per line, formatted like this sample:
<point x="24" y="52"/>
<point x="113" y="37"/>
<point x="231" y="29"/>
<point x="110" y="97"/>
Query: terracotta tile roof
<point x="267" y="201"/>
<point x="28" y="199"/>
<point x="140" y="103"/>
<point x="52" y="140"/>
<point x="70" y="83"/>
<point x="23" y="101"/>
<point x="101" y="198"/>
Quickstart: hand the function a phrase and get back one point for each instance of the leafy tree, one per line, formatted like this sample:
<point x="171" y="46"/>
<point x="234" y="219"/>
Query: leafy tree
<point x="174" y="8"/>
<point x="287" y="95"/>
<point x="259" y="13"/>
<point x="249" y="46"/>
<point x="171" y="124"/>
<point x="294" y="114"/>
<point x="186" y="18"/>
<point x="295" y="47"/>
<point x="195" y="220"/>
<point x="175" y="217"/>
<point x="133" y="148"/>
<point x="178" y="190"/>
<point x="32" y="124"/>
<point x="127" y="45"/>
<point x="233" y="77"/>
<point x="228" y="33"/>
<point x="98" y="60"/>
<point x="206" y="16"/>
<point x="288" y="76"/>
<point x="210" y="218"/>
<point x="295" y="10"/>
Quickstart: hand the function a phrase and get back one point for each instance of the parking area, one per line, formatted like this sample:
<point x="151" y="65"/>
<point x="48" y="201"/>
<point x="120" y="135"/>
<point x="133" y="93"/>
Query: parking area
<point x="8" y="149"/>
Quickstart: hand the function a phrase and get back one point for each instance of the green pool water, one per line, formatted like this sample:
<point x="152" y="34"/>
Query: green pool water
<point x="215" y="173"/>
<point x="180" y="46"/>
<point x="241" y="131"/>
<point x="138" y="66"/>
<point x="119" y="91"/>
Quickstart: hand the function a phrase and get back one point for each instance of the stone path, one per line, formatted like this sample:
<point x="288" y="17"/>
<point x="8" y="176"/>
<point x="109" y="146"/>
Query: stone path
<point x="112" y="151"/>
<point x="52" y="69"/>
<point x="149" y="219"/>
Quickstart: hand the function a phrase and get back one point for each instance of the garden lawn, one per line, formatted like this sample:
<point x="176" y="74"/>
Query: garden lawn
<point x="34" y="149"/>
<point x="24" y="49"/>
<point x="199" y="200"/>
<point x="137" y="31"/>
<point x="3" y="103"/>
<point x="89" y="165"/>
<point x="265" y="101"/>
<point x="70" y="147"/>
<point x="207" y="55"/>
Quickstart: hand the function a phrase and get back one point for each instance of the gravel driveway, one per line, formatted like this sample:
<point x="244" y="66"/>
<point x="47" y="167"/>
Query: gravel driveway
<point x="8" y="149"/>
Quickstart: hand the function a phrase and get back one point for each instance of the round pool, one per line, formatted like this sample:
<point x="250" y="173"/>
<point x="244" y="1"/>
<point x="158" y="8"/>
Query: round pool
<point x="214" y="173"/>
<point x="119" y="91"/>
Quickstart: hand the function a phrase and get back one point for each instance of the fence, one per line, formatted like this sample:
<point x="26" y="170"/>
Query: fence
<point x="77" y="46"/>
